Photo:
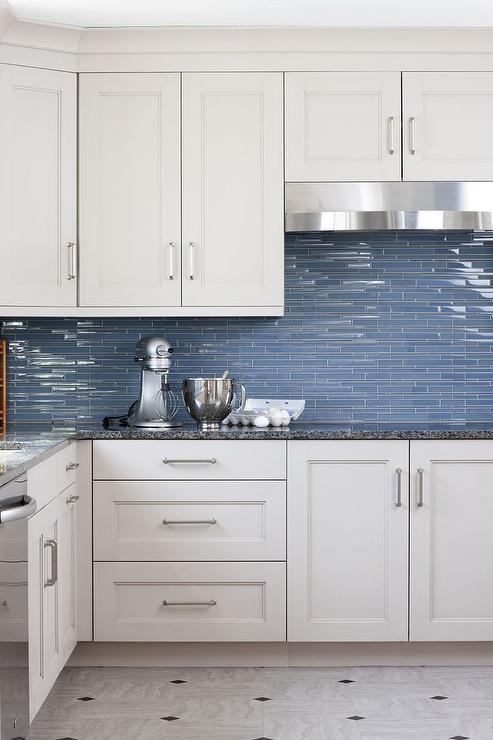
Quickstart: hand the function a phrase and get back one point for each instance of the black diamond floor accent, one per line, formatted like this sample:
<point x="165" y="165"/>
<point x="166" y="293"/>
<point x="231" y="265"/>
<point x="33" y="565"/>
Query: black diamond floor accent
<point x="262" y="698"/>
<point x="86" y="698"/>
<point x="177" y="680"/>
<point x="170" y="718"/>
<point x="62" y="738"/>
<point x="262" y="738"/>
<point x="356" y="717"/>
<point x="439" y="698"/>
<point x="346" y="680"/>
<point x="459" y="737"/>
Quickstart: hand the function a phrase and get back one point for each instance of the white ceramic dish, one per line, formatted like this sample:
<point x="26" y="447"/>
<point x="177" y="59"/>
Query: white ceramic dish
<point x="276" y="411"/>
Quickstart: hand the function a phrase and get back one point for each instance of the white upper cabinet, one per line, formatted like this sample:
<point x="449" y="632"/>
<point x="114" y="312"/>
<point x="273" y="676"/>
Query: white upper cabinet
<point x="451" y="553"/>
<point x="447" y="125"/>
<point x="130" y="190"/>
<point x="343" y="126"/>
<point x="233" y="240"/>
<point x="37" y="187"/>
<point x="347" y="541"/>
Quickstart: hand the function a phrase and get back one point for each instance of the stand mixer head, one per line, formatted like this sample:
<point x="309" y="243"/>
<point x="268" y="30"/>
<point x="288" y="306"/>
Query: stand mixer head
<point x="157" y="405"/>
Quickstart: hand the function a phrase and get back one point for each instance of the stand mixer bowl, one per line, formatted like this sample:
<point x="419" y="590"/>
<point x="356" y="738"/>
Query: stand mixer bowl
<point x="210" y="400"/>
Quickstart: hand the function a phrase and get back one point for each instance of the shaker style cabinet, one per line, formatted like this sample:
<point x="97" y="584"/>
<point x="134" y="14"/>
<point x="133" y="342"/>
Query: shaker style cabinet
<point x="51" y="593"/>
<point x="343" y="126"/>
<point x="130" y="189"/>
<point x="233" y="237"/>
<point x="451" y="558"/>
<point x="447" y="125"/>
<point x="347" y="541"/>
<point x="38" y="187"/>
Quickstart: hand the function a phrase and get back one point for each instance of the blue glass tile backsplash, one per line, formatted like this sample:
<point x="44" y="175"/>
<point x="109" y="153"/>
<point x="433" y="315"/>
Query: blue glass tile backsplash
<point x="382" y="327"/>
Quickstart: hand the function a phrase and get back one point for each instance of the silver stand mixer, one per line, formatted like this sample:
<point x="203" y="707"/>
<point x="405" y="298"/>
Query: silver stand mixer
<point x="157" y="405"/>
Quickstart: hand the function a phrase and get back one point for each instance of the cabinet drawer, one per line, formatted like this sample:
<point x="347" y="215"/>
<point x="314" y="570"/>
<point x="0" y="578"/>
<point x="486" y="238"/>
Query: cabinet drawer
<point x="191" y="602"/>
<point x="13" y="602"/>
<point x="52" y="476"/>
<point x="181" y="520"/>
<point x="189" y="460"/>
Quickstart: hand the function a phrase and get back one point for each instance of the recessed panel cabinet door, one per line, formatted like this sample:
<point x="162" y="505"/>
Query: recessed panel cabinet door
<point x="447" y="125"/>
<point x="233" y="240"/>
<point x="451" y="540"/>
<point x="37" y="187"/>
<point x="347" y="541"/>
<point x="343" y="126"/>
<point x="130" y="190"/>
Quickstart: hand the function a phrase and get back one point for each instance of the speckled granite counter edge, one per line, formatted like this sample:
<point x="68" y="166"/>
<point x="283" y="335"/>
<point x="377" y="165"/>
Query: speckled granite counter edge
<point x="34" y="454"/>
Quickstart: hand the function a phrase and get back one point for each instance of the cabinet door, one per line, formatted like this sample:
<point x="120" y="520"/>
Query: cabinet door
<point x="451" y="554"/>
<point x="68" y="572"/>
<point x="233" y="236"/>
<point x="130" y="190"/>
<point x="347" y="541"/>
<point x="447" y="125"/>
<point x="37" y="187"/>
<point x="45" y="661"/>
<point x="343" y="126"/>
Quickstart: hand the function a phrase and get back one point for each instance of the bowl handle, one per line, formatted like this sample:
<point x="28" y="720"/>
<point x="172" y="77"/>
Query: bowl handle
<point x="243" y="397"/>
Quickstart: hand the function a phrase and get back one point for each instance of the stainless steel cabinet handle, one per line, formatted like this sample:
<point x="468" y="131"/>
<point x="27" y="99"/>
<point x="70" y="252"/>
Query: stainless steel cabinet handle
<point x="72" y="261"/>
<point x="172" y="461"/>
<point x="18" y="512"/>
<point x="211" y="602"/>
<point x="189" y="521"/>
<point x="412" y="135"/>
<point x="391" y="134"/>
<point x="170" y="252"/>
<point x="419" y="502"/>
<point x="398" y="498"/>
<point x="191" y="247"/>
<point x="71" y="466"/>
<point x="72" y="499"/>
<point x="53" y="545"/>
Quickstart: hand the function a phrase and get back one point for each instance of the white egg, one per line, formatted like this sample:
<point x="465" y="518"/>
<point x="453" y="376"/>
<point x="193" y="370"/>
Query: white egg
<point x="234" y="419"/>
<point x="275" y="417"/>
<point x="261" y="421"/>
<point x="285" y="417"/>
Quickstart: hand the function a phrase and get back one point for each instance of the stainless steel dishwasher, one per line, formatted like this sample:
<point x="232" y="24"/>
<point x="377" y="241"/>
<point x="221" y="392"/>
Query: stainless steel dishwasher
<point x="15" y="509"/>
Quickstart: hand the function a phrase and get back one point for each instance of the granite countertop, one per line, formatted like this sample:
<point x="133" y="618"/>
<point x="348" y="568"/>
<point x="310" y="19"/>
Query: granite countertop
<point x="19" y="451"/>
<point x="26" y="446"/>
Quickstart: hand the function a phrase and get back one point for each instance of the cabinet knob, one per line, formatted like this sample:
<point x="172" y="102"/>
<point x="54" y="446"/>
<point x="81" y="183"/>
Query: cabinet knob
<point x="71" y="466"/>
<point x="72" y="499"/>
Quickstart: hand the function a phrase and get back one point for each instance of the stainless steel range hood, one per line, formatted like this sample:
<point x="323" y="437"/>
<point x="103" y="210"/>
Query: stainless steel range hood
<point x="377" y="206"/>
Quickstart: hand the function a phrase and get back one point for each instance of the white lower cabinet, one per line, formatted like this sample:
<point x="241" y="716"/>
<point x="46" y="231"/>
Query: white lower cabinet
<point x="347" y="541"/>
<point x="52" y="615"/>
<point x="197" y="602"/>
<point x="451" y="540"/>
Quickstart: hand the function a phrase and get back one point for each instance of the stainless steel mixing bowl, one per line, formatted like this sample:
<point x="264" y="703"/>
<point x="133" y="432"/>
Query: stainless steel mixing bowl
<point x="210" y="400"/>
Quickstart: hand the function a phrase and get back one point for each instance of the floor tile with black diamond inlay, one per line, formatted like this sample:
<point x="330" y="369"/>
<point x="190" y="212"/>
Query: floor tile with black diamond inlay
<point x="355" y="717"/>
<point x="346" y="680"/>
<point x="170" y="718"/>
<point x="262" y="698"/>
<point x="262" y="738"/>
<point x="438" y="697"/>
<point x="64" y="738"/>
<point x="86" y="698"/>
<point x="177" y="680"/>
<point x="459" y="737"/>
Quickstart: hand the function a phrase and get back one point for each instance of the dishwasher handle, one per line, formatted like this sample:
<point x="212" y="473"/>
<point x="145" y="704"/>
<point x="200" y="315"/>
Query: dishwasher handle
<point x="27" y="508"/>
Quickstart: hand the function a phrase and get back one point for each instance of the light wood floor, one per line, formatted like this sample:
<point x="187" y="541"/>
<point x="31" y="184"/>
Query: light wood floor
<point x="429" y="703"/>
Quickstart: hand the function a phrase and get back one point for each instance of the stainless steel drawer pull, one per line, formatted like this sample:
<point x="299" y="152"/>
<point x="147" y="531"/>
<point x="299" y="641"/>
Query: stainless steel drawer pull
<point x="419" y="502"/>
<point x="189" y="521"/>
<point x="412" y="135"/>
<point x="72" y="261"/>
<point x="171" y="271"/>
<point x="398" y="498"/>
<point x="53" y="545"/>
<point x="71" y="466"/>
<point x="173" y="461"/>
<point x="391" y="133"/>
<point x="191" y="247"/>
<point x="211" y="602"/>
<point x="72" y="499"/>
